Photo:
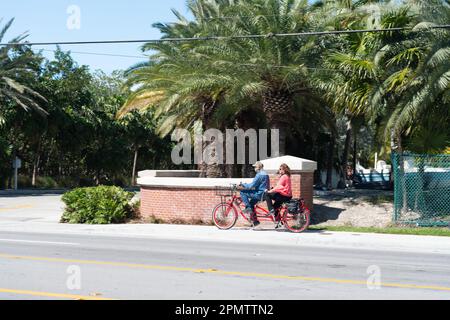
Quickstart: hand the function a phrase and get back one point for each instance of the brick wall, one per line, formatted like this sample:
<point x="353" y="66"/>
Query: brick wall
<point x="192" y="205"/>
<point x="172" y="204"/>
<point x="306" y="188"/>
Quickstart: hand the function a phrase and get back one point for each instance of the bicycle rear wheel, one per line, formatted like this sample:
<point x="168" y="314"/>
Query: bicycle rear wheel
<point x="297" y="222"/>
<point x="224" y="216"/>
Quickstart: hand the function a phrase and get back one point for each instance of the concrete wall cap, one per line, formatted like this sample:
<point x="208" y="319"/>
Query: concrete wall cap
<point x="169" y="173"/>
<point x="296" y="164"/>
<point x="189" y="182"/>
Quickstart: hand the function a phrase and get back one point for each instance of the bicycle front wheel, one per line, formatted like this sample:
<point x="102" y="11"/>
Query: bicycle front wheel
<point x="224" y="216"/>
<point x="297" y="222"/>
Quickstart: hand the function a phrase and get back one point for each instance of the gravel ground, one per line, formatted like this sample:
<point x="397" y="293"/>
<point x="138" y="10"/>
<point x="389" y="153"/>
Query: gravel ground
<point x="357" y="208"/>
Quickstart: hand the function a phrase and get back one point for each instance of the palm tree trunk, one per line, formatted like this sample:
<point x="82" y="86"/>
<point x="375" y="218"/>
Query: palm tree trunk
<point x="97" y="177"/>
<point x="396" y="146"/>
<point x="330" y="157"/>
<point x="282" y="130"/>
<point x="402" y="172"/>
<point x="60" y="169"/>
<point x="245" y="120"/>
<point x="345" y="153"/>
<point x="355" y="154"/>
<point x="36" y="164"/>
<point x="212" y="169"/>
<point x="133" y="175"/>
<point x="278" y="105"/>
<point x="35" y="170"/>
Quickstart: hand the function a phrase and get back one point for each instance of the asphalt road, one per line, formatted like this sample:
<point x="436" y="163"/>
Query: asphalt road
<point x="51" y="266"/>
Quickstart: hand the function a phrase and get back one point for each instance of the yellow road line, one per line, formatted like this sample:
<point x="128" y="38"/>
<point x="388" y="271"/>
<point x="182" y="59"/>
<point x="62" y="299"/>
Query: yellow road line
<point x="220" y="272"/>
<point x="17" y="207"/>
<point x="50" y="295"/>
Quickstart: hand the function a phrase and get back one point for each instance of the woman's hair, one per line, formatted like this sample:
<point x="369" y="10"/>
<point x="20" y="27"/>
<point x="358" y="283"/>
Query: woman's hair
<point x="286" y="169"/>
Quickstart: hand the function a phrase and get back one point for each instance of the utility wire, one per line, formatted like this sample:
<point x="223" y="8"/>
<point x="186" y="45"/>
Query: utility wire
<point x="100" y="54"/>
<point x="146" y="57"/>
<point x="252" y="36"/>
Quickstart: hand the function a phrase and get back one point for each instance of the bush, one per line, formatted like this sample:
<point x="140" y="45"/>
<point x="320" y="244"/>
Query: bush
<point x="68" y="182"/>
<point x="46" y="183"/>
<point x="23" y="181"/>
<point x="97" y="205"/>
<point x="42" y="182"/>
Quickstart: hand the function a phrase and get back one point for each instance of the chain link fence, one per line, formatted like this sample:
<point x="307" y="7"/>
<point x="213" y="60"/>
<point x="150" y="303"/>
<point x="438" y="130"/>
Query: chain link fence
<point x="421" y="189"/>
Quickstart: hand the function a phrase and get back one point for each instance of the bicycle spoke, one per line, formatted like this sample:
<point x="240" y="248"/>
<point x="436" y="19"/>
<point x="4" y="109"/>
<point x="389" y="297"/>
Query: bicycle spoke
<point x="297" y="222"/>
<point x="224" y="216"/>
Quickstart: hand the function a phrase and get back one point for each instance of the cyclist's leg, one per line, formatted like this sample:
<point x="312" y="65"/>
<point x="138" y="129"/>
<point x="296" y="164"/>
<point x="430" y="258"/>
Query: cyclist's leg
<point x="245" y="196"/>
<point x="279" y="200"/>
<point x="269" y="197"/>
<point x="249" y="202"/>
<point x="253" y="202"/>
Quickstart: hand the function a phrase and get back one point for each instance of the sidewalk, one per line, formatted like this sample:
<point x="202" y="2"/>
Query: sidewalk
<point x="37" y="214"/>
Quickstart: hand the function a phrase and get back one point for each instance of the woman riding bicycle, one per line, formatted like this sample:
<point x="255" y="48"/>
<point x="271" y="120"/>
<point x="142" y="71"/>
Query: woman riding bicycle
<point x="281" y="193"/>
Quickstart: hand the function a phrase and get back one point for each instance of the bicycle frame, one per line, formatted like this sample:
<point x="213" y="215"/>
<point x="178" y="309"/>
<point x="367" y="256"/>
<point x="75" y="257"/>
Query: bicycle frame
<point x="234" y="203"/>
<point x="261" y="213"/>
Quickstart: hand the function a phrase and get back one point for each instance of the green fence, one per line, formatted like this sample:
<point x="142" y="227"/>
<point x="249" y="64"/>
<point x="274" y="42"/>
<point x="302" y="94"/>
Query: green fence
<point x="421" y="189"/>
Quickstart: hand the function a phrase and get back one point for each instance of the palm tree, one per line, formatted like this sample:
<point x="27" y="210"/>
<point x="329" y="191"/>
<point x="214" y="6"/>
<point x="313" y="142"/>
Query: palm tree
<point x="415" y="81"/>
<point x="275" y="69"/>
<point x="427" y="88"/>
<point x="16" y="63"/>
<point x="413" y="72"/>
<point x="179" y="84"/>
<point x="350" y="74"/>
<point x="218" y="82"/>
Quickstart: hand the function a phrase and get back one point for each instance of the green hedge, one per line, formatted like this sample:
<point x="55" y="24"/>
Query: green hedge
<point x="97" y="205"/>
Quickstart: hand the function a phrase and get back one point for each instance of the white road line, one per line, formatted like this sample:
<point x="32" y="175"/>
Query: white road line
<point x="40" y="242"/>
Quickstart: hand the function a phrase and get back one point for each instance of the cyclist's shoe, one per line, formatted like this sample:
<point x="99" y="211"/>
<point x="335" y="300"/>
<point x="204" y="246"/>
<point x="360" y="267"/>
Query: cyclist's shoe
<point x="256" y="223"/>
<point x="279" y="225"/>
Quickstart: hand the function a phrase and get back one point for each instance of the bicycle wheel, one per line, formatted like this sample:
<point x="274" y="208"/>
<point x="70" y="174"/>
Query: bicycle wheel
<point x="297" y="222"/>
<point x="224" y="216"/>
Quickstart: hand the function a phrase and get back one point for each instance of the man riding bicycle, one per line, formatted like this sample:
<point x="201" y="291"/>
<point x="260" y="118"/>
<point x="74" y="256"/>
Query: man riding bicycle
<point x="252" y="193"/>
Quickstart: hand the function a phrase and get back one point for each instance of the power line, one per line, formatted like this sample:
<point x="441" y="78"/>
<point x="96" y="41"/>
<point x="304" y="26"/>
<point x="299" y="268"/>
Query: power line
<point x="206" y="38"/>
<point x="146" y="57"/>
<point x="101" y="54"/>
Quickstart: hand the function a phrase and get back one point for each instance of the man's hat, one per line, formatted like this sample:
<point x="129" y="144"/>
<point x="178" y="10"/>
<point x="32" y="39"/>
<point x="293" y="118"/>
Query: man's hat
<point x="258" y="164"/>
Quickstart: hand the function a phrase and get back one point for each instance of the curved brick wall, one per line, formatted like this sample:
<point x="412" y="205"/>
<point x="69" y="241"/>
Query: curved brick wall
<point x="194" y="204"/>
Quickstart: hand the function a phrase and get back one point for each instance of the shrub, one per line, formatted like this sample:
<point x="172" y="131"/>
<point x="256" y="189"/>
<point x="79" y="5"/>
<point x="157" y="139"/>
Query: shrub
<point x="97" y="205"/>
<point x="68" y="182"/>
<point x="23" y="181"/>
<point x="46" y="183"/>
<point x="42" y="182"/>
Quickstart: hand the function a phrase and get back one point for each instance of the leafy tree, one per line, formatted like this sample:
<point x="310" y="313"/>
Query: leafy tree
<point x="16" y="66"/>
<point x="351" y="75"/>
<point x="270" y="71"/>
<point x="415" y="83"/>
<point x="208" y="81"/>
<point x="80" y="142"/>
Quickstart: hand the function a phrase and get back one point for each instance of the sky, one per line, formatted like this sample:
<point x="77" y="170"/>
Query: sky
<point x="90" y="20"/>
